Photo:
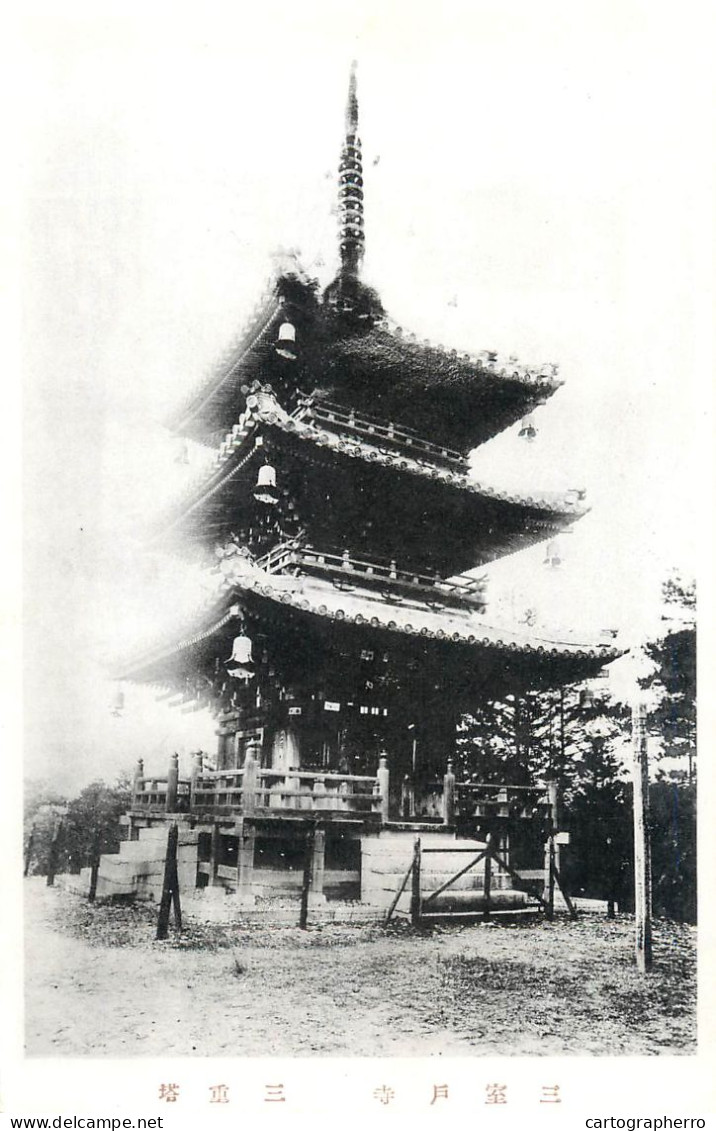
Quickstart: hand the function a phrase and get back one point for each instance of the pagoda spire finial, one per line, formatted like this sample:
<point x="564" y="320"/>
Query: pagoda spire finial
<point x="352" y="101"/>
<point x="350" y="188"/>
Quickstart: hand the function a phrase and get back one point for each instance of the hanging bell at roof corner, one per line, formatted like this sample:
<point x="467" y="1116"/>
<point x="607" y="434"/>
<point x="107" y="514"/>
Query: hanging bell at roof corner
<point x="527" y="429"/>
<point x="286" y="341"/>
<point x="553" y="556"/>
<point x="586" y="698"/>
<point x="240" y="664"/>
<point x="265" y="490"/>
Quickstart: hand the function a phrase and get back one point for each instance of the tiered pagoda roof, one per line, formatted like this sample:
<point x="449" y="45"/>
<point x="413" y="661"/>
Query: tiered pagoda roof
<point x="450" y="627"/>
<point x="369" y="365"/>
<point x="371" y="514"/>
<point x="365" y="484"/>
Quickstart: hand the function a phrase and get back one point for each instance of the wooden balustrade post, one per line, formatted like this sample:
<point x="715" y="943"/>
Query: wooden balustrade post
<point x="138" y="782"/>
<point x="416" y="899"/>
<point x="172" y="784"/>
<point x="642" y="855"/>
<point x="250" y="781"/>
<point x="197" y="767"/>
<point x="383" y="779"/>
<point x="319" y="799"/>
<point x="449" y="795"/>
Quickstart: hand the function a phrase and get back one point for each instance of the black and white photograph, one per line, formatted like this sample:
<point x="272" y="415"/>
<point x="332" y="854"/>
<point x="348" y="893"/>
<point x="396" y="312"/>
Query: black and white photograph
<point x="366" y="409"/>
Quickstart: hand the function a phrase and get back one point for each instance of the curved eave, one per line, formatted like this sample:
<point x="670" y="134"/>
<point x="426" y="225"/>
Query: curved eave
<point x="466" y="398"/>
<point x="145" y="665"/>
<point x="461" y="629"/>
<point x="288" y="296"/>
<point x="202" y="414"/>
<point x="552" y="509"/>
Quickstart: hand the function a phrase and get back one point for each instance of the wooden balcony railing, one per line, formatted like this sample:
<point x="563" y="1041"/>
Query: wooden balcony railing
<point x="336" y="417"/>
<point x="152" y="795"/>
<point x="339" y="793"/>
<point x="493" y="799"/>
<point x="266" y="792"/>
<point x="255" y="790"/>
<point x="344" y="569"/>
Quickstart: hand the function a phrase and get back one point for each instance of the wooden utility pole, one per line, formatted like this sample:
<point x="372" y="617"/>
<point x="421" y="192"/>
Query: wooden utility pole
<point x="550" y="855"/>
<point x="551" y="863"/>
<point x="170" y="887"/>
<point x="642" y="854"/>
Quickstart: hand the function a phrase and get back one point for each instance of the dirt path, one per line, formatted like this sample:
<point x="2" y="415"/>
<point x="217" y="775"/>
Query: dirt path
<point x="98" y="984"/>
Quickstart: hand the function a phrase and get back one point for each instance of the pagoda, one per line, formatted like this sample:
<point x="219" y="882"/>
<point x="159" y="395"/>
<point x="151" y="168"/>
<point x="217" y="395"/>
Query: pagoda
<point x="349" y="631"/>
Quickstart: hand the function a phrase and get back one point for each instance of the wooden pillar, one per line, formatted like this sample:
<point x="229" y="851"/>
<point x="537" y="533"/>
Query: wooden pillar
<point x="247" y="847"/>
<point x="215" y="854"/>
<point x="449" y="795"/>
<point x="172" y="784"/>
<point x="642" y="855"/>
<point x="406" y="798"/>
<point x="383" y="778"/>
<point x="285" y="751"/>
<point x="170" y="886"/>
<point x="318" y="867"/>
<point x="250" y="781"/>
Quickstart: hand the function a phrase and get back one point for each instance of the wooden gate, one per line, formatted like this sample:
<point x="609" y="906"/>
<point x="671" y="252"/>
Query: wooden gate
<point x="479" y="903"/>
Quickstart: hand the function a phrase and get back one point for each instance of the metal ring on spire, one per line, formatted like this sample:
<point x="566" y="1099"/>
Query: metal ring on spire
<point x="350" y="192"/>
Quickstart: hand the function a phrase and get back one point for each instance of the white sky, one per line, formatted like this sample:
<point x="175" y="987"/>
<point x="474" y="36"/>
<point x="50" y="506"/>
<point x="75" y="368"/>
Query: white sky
<point x="539" y="181"/>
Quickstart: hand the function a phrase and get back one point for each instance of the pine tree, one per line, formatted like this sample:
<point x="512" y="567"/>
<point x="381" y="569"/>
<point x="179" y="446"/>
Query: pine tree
<point x="672" y="719"/>
<point x="573" y="735"/>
